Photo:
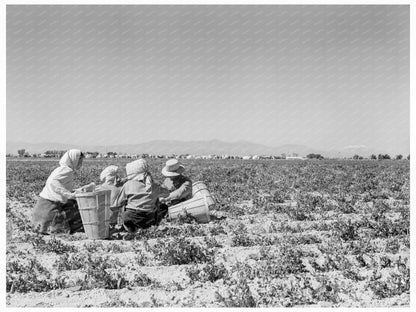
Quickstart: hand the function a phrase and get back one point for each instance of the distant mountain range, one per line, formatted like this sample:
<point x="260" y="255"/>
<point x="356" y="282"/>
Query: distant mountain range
<point x="216" y="147"/>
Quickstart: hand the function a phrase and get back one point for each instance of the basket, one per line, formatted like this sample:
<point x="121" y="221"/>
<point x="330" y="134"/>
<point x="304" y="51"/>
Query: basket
<point x="199" y="189"/>
<point x="198" y="206"/>
<point x="94" y="208"/>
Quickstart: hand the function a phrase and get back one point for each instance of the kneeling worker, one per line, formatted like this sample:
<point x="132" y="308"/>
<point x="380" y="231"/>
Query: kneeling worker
<point x="178" y="186"/>
<point x="111" y="180"/>
<point x="56" y="210"/>
<point x="138" y="197"/>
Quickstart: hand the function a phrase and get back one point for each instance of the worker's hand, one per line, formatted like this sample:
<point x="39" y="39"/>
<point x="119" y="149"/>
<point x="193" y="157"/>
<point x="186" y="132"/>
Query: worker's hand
<point x="164" y="200"/>
<point x="72" y="196"/>
<point x="120" y="181"/>
<point x="88" y="188"/>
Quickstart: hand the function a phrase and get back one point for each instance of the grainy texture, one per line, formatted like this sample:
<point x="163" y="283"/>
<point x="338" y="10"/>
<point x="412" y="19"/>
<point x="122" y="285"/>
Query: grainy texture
<point x="284" y="233"/>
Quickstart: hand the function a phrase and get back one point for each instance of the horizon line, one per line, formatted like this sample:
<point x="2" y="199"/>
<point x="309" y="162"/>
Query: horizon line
<point x="322" y="150"/>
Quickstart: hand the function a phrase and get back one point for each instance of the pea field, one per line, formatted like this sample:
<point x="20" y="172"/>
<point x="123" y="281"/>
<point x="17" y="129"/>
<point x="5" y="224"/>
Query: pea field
<point x="284" y="233"/>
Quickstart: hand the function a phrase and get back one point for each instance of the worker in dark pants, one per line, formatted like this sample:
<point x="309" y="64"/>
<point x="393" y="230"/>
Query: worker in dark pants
<point x="176" y="185"/>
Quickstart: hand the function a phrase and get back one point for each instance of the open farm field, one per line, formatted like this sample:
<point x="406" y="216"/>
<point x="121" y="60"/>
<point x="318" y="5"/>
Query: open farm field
<point x="284" y="233"/>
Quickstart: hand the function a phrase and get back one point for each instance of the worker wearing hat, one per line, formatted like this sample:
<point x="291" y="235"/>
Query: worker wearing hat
<point x="178" y="185"/>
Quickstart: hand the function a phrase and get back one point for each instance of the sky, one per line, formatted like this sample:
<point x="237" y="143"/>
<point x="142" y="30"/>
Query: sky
<point x="323" y="76"/>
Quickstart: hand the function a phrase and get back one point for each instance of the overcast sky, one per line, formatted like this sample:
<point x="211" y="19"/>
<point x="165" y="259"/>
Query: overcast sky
<point x="321" y="76"/>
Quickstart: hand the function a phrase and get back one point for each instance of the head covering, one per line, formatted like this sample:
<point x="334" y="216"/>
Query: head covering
<point x="173" y="168"/>
<point x="109" y="174"/>
<point x="137" y="169"/>
<point x="71" y="159"/>
<point x="60" y="184"/>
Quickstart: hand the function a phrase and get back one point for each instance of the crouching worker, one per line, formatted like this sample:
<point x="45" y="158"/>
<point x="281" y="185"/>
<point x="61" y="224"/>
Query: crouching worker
<point x="138" y="197"/>
<point x="111" y="180"/>
<point x="178" y="186"/>
<point x="56" y="210"/>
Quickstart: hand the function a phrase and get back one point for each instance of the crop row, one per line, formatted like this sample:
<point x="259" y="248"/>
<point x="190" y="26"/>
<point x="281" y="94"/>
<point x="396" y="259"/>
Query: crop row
<point x="264" y="182"/>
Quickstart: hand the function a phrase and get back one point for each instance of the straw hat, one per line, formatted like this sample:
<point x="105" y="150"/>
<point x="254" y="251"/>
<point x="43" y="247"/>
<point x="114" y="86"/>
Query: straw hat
<point x="173" y="168"/>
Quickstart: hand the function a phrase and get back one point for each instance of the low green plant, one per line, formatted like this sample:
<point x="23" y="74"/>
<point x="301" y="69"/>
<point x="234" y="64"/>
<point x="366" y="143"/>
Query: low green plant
<point x="28" y="276"/>
<point x="237" y="295"/>
<point x="396" y="283"/>
<point x="51" y="245"/>
<point x="73" y="261"/>
<point x="241" y="237"/>
<point x="212" y="242"/>
<point x="287" y="294"/>
<point x="346" y="230"/>
<point x="286" y="260"/>
<point x="217" y="229"/>
<point x="353" y="274"/>
<point x="93" y="246"/>
<point x="116" y="248"/>
<point x="119" y="303"/>
<point x="209" y="272"/>
<point x="329" y="290"/>
<point x="181" y="251"/>
<point x="386" y="228"/>
<point x="141" y="258"/>
<point x="299" y="212"/>
<point x="393" y="245"/>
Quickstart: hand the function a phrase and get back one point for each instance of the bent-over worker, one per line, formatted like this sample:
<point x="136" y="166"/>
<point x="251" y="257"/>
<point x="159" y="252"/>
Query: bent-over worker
<point x="138" y="197"/>
<point x="56" y="210"/>
<point x="111" y="180"/>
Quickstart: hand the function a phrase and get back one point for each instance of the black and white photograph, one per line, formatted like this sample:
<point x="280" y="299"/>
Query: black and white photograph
<point x="207" y="155"/>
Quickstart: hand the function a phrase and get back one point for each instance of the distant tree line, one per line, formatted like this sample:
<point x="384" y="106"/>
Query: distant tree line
<point x="22" y="153"/>
<point x="314" y="156"/>
<point x="385" y="156"/>
<point x="54" y="153"/>
<point x="59" y="153"/>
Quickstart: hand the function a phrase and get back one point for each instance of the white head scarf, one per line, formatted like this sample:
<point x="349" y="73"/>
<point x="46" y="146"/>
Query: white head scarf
<point x="60" y="184"/>
<point x="71" y="159"/>
<point x="137" y="169"/>
<point x="109" y="174"/>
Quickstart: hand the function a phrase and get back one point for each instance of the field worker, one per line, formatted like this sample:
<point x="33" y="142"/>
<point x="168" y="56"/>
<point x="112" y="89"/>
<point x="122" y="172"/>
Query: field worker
<point x="56" y="209"/>
<point x="138" y="197"/>
<point x="178" y="185"/>
<point x="111" y="179"/>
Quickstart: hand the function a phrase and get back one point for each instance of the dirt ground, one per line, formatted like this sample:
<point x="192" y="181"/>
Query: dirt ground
<point x="170" y="284"/>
